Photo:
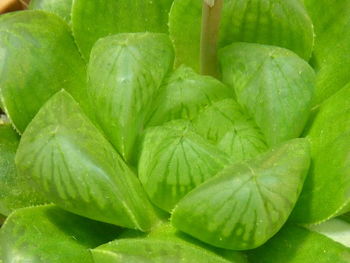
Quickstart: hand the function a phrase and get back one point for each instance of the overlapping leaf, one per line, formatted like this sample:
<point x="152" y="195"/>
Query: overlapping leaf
<point x="184" y="94"/>
<point x="295" y="244"/>
<point x="75" y="166"/>
<point x="95" y="19"/>
<point x="327" y="189"/>
<point x="247" y="203"/>
<point x="226" y="125"/>
<point x="15" y="191"/>
<point x="281" y="23"/>
<point x="47" y="234"/>
<point x="61" y="8"/>
<point x="174" y="160"/>
<point x="38" y="58"/>
<point x="273" y="84"/>
<point x="332" y="45"/>
<point x="125" y="72"/>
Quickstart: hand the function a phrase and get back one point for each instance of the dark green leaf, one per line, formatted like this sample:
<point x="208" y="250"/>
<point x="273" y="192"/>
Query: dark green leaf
<point x="125" y="72"/>
<point x="247" y="203"/>
<point x="76" y="167"/>
<point x="184" y="94"/>
<point x="226" y="124"/>
<point x="15" y="191"/>
<point x="61" y="8"/>
<point x="281" y="23"/>
<point x="298" y="245"/>
<point x="273" y="84"/>
<point x="174" y="160"/>
<point x="94" y="19"/>
<point x="47" y="234"/>
<point x="38" y="58"/>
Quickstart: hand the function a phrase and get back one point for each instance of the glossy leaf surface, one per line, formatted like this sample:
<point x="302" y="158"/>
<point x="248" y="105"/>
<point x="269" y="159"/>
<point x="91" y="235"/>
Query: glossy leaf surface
<point x="298" y="245"/>
<point x="247" y="203"/>
<point x="125" y="72"/>
<point x="15" y="191"/>
<point x="184" y="94"/>
<point x="76" y="167"/>
<point x="273" y="84"/>
<point x="38" y="58"/>
<point x="280" y="23"/>
<point x="62" y="8"/>
<point x="174" y="160"/>
<point x="327" y="189"/>
<point x="227" y="125"/>
<point x="99" y="18"/>
<point x="47" y="234"/>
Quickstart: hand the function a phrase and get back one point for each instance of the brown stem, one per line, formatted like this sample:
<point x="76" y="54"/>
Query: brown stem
<point x="211" y="17"/>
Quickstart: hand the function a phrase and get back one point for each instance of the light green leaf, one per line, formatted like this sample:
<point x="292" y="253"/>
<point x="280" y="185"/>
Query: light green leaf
<point x="15" y="191"/>
<point x="163" y="245"/>
<point x="226" y="124"/>
<point x="47" y="234"/>
<point x="332" y="45"/>
<point x="273" y="84"/>
<point x="247" y="203"/>
<point x="295" y="244"/>
<point x="38" y="57"/>
<point x="174" y="160"/>
<point x="280" y="23"/>
<point x="95" y="19"/>
<point x="125" y="72"/>
<point x="75" y="166"/>
<point x="326" y="193"/>
<point x="184" y="94"/>
<point x="62" y="8"/>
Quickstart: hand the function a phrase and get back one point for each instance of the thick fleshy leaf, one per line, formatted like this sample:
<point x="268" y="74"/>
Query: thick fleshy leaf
<point x="38" y="58"/>
<point x="163" y="245"/>
<point x="15" y="191"/>
<point x="295" y="244"/>
<point x="247" y="203"/>
<point x="99" y="18"/>
<point x="47" y="234"/>
<point x="174" y="160"/>
<point x="326" y="192"/>
<point x="280" y="23"/>
<point x="332" y="45"/>
<point x="273" y="84"/>
<point x="184" y="94"/>
<point x="76" y="167"/>
<point x="62" y="8"/>
<point x="125" y="72"/>
<point x="226" y="124"/>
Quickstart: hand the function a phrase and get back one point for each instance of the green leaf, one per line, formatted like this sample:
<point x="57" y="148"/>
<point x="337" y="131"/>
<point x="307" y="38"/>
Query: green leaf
<point x="62" y="8"/>
<point x="226" y="124"/>
<point x="273" y="84"/>
<point x="15" y="191"/>
<point x="174" y="160"/>
<point x="247" y="203"/>
<point x="332" y="45"/>
<point x="163" y="245"/>
<point x="184" y="94"/>
<point x="38" y="58"/>
<point x="295" y="244"/>
<point x="47" y="234"/>
<point x="75" y="166"/>
<point x="125" y="72"/>
<point x="326" y="193"/>
<point x="99" y="18"/>
<point x="280" y="23"/>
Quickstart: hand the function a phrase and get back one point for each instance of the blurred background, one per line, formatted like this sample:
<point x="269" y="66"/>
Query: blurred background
<point x="12" y="5"/>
